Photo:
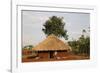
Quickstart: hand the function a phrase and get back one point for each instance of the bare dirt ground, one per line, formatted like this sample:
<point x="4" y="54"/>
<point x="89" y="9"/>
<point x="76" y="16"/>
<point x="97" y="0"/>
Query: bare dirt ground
<point x="68" y="57"/>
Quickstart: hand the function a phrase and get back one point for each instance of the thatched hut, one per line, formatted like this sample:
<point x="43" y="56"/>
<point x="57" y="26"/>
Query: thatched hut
<point x="52" y="47"/>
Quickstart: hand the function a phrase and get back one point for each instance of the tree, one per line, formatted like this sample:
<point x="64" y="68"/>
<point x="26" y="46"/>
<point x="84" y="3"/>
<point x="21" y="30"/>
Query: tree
<point x="75" y="46"/>
<point x="87" y="45"/>
<point x="55" y="25"/>
<point x="82" y="45"/>
<point x="83" y="32"/>
<point x="28" y="47"/>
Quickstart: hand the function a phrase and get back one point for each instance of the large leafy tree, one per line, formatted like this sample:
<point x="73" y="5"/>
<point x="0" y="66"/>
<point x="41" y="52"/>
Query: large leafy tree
<point x="55" y="25"/>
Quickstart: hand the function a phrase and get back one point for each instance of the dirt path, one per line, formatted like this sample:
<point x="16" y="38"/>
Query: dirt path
<point x="69" y="57"/>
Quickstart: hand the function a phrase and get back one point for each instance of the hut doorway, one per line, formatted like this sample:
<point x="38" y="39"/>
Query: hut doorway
<point x="51" y="54"/>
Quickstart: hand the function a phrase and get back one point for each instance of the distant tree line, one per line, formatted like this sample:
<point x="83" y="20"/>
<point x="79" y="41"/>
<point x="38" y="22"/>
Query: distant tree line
<point x="29" y="47"/>
<point x="82" y="45"/>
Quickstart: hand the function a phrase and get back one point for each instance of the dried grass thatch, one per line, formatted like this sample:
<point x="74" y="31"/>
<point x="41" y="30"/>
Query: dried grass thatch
<point x="51" y="43"/>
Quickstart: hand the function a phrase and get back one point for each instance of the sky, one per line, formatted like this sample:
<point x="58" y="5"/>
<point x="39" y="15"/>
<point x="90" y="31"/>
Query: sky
<point x="32" y="24"/>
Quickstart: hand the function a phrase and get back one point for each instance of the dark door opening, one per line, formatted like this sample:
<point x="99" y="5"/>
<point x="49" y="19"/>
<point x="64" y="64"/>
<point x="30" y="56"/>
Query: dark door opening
<point x="51" y="54"/>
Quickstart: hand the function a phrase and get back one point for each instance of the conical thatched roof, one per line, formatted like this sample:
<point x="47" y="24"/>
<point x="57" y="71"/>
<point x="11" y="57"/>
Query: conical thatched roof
<point x="51" y="43"/>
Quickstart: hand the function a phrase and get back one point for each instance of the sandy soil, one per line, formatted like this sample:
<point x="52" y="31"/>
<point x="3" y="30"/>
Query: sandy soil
<point x="68" y="57"/>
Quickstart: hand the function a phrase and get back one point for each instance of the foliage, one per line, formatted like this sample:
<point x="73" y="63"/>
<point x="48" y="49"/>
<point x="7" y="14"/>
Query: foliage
<point x="82" y="45"/>
<point x="74" y="45"/>
<point x="55" y="25"/>
<point x="28" y="47"/>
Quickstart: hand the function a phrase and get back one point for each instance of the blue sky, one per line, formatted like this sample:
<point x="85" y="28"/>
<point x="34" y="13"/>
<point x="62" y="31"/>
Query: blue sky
<point x="32" y="24"/>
